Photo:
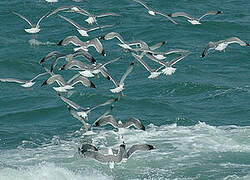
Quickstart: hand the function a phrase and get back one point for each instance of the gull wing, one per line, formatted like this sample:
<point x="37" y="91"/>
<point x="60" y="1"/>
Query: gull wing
<point x="139" y="147"/>
<point x="37" y="24"/>
<point x="210" y="13"/>
<point x="129" y="70"/>
<point x="183" y="14"/>
<point x="156" y="46"/>
<point x="210" y="45"/>
<point x="236" y="40"/>
<point x="23" y="17"/>
<point x="143" y="4"/>
<point x="71" y="21"/>
<point x="167" y="16"/>
<point x="108" y="119"/>
<point x="175" y="60"/>
<point x="138" y="58"/>
<point x="134" y="122"/>
<point x="71" y="103"/>
<point x="107" y="14"/>
<point x="12" y="80"/>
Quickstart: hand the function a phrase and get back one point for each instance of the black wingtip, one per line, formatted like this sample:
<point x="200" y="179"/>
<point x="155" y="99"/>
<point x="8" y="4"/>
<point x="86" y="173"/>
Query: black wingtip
<point x="44" y="83"/>
<point x="219" y="12"/>
<point x="163" y="42"/>
<point x="93" y="60"/>
<point x="132" y="63"/>
<point x="60" y="43"/>
<point x="108" y="78"/>
<point x="151" y="147"/>
<point x="170" y="15"/>
<point x="248" y="44"/>
<point x="102" y="37"/>
<point x="143" y="128"/>
<point x="92" y="85"/>
<point x="42" y="61"/>
<point x="62" y="68"/>
<point x="103" y="53"/>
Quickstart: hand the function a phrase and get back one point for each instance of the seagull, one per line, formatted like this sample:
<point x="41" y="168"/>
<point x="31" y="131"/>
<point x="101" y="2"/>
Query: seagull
<point x="153" y="12"/>
<point x="123" y="43"/>
<point x="83" y="45"/>
<point x="134" y="148"/>
<point x="88" y="70"/>
<point x="91" y="17"/>
<point x="222" y="45"/>
<point x="153" y="73"/>
<point x="107" y="158"/>
<point x="35" y="28"/>
<point x="83" y="112"/>
<point x="87" y="147"/>
<point x="83" y="31"/>
<point x="87" y="126"/>
<point x="109" y="119"/>
<point x="62" y="8"/>
<point x="68" y="57"/>
<point x="191" y="19"/>
<point x="23" y="83"/>
<point x="120" y="86"/>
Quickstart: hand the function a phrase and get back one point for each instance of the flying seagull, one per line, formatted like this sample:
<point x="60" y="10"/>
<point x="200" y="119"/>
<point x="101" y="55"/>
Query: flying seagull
<point x="23" y="83"/>
<point x="109" y="119"/>
<point x="35" y="28"/>
<point x="83" y="31"/>
<point x="191" y="19"/>
<point x="222" y="45"/>
<point x="153" y="12"/>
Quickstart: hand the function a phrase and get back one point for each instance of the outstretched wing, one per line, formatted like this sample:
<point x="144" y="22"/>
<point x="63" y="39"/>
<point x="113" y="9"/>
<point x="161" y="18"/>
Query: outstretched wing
<point x="129" y="70"/>
<point x="23" y="17"/>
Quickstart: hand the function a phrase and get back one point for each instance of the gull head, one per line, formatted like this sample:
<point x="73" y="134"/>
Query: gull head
<point x="82" y="114"/>
<point x="90" y="20"/>
<point x="194" y="21"/>
<point x="151" y="13"/>
<point x="28" y="84"/>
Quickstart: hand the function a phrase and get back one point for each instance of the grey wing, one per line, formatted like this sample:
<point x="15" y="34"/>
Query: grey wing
<point x="84" y="80"/>
<point x="210" y="45"/>
<point x="129" y="70"/>
<point x="236" y="40"/>
<point x="111" y="61"/>
<point x="37" y="25"/>
<point x="143" y="4"/>
<point x="71" y="21"/>
<point x="23" y="17"/>
<point x="12" y="80"/>
<point x="108" y="119"/>
<point x="97" y="44"/>
<point x="149" y="55"/>
<point x="105" y="114"/>
<point x="100" y="157"/>
<point x="100" y="27"/>
<point x="71" y="103"/>
<point x="74" y="63"/>
<point x="87" y="147"/>
<point x="138" y="58"/>
<point x="37" y="76"/>
<point x="139" y="147"/>
<point x="55" y="78"/>
<point x="86" y="54"/>
<point x="167" y="16"/>
<point x="210" y="13"/>
<point x="110" y="101"/>
<point x="183" y="14"/>
<point x="71" y="39"/>
<point x="171" y="51"/>
<point x="107" y="75"/>
<point x="107" y="14"/>
<point x="175" y="60"/>
<point x="51" y="54"/>
<point x="75" y="115"/>
<point x="156" y="46"/>
<point x="59" y="9"/>
<point x="134" y="122"/>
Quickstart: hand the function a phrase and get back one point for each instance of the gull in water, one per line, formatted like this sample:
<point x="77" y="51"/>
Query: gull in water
<point x="191" y="19"/>
<point x="153" y="72"/>
<point x="83" y="112"/>
<point x="35" y="28"/>
<point x="83" y="45"/>
<point x="120" y="86"/>
<point x="83" y="31"/>
<point x="153" y="12"/>
<point x="133" y="149"/>
<point x="222" y="45"/>
<point x="106" y="158"/>
<point x="23" y="83"/>
<point x="109" y="119"/>
<point x="87" y="147"/>
<point x="91" y="17"/>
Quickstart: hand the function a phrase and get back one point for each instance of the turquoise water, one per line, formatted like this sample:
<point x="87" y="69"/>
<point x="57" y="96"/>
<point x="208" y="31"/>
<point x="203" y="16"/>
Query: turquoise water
<point x="198" y="118"/>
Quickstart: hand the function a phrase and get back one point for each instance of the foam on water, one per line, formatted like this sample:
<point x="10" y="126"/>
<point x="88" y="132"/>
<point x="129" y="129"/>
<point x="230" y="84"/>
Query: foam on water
<point x="201" y="149"/>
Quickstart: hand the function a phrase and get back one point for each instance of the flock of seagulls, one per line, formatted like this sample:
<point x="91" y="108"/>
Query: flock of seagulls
<point x="87" y="68"/>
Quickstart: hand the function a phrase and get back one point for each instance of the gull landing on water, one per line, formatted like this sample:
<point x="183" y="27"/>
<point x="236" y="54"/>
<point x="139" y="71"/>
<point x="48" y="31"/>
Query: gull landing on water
<point x="83" y="31"/>
<point x="153" y="12"/>
<point x="222" y="45"/>
<point x="191" y="19"/>
<point x="35" y="28"/>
